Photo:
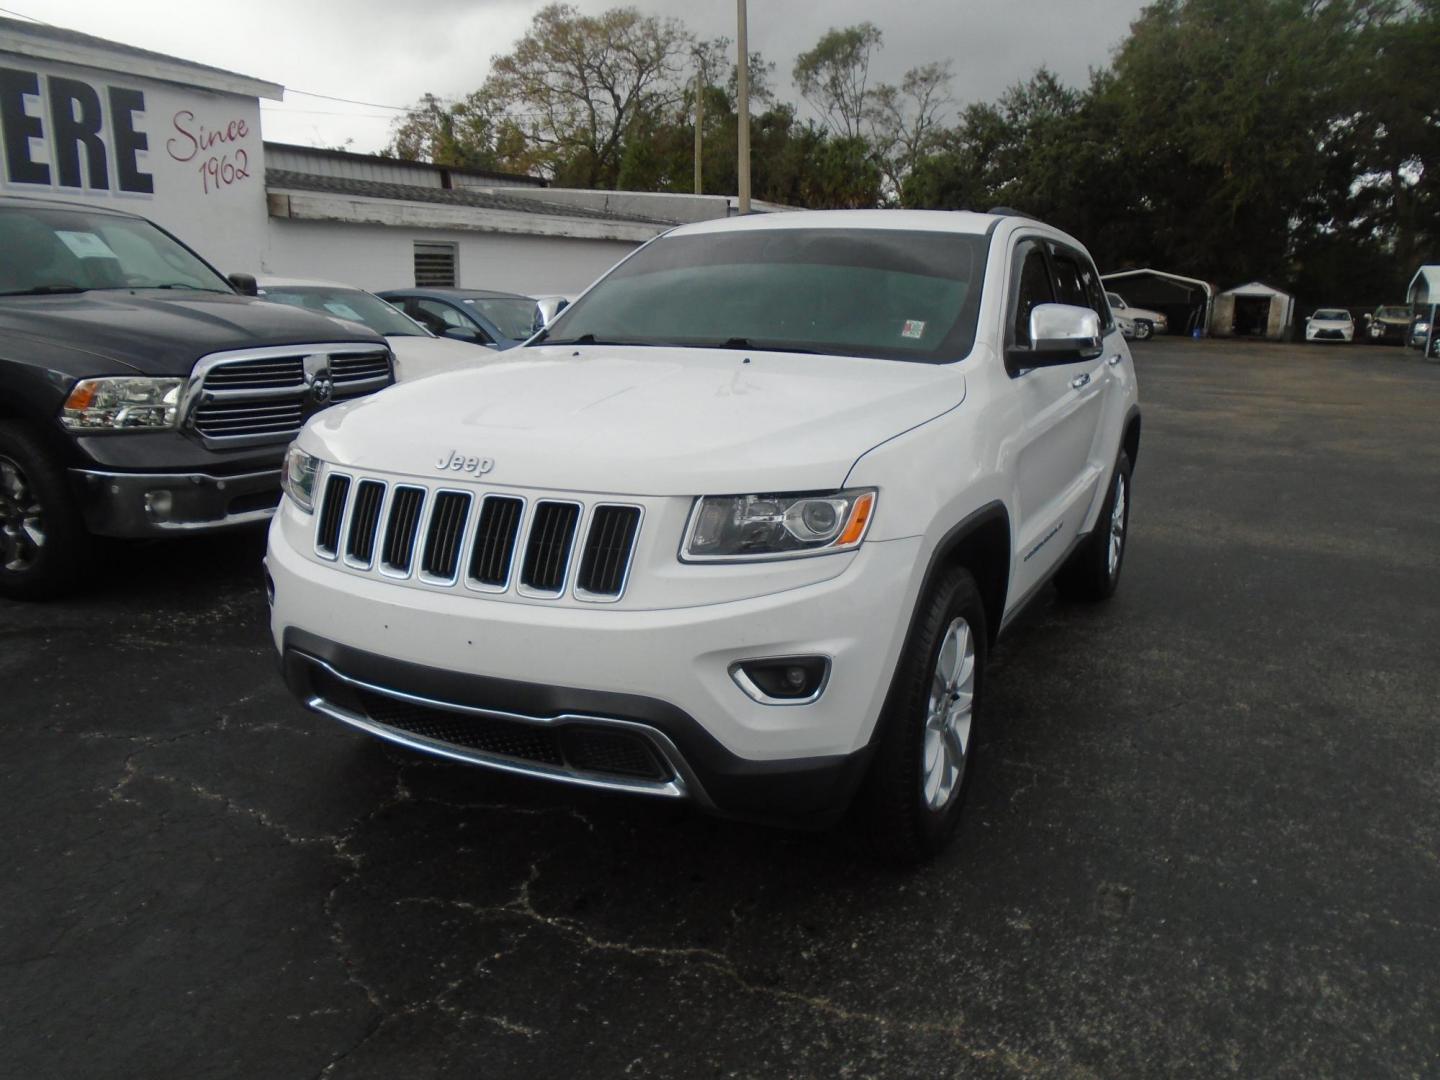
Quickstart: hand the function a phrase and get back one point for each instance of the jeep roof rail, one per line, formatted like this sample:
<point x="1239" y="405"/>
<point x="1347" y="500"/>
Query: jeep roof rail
<point x="1010" y="211"/>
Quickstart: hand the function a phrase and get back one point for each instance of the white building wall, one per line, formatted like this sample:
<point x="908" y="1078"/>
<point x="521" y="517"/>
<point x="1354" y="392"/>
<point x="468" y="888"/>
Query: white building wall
<point x="189" y="159"/>
<point x="382" y="257"/>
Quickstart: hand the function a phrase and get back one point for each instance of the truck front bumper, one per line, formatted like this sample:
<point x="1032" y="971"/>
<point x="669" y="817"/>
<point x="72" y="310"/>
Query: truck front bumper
<point x="129" y="504"/>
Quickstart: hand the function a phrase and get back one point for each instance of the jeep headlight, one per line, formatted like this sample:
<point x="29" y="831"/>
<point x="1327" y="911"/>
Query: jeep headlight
<point x="297" y="479"/>
<point x="731" y="527"/>
<point x="122" y="404"/>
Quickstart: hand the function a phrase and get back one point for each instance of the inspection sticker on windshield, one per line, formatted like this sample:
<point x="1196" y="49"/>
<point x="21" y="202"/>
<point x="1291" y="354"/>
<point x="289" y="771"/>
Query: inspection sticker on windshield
<point x="85" y="245"/>
<point x="914" y="328"/>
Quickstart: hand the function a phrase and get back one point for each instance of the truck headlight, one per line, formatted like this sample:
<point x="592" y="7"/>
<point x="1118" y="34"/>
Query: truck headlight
<point x="122" y="404"/>
<point x="736" y="527"/>
<point x="297" y="479"/>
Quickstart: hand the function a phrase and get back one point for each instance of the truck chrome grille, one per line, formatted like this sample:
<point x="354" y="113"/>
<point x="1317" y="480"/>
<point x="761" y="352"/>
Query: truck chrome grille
<point x="428" y="534"/>
<point x="264" y="395"/>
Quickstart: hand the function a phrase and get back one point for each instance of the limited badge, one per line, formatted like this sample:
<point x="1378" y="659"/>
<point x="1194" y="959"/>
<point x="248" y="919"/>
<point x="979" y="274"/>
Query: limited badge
<point x="914" y="328"/>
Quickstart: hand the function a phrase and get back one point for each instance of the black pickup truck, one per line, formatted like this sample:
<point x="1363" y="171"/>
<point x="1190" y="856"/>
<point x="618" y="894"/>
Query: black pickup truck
<point x="141" y="393"/>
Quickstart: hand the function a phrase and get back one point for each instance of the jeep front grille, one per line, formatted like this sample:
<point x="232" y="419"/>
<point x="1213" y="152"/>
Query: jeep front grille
<point x="265" y="395"/>
<point x="476" y="542"/>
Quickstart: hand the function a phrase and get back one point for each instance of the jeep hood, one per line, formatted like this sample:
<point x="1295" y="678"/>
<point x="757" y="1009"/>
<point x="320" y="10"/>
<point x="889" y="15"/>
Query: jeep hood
<point x="162" y="332"/>
<point x="642" y="421"/>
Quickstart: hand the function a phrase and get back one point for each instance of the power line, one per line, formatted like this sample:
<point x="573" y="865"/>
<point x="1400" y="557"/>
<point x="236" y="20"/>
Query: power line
<point x="347" y="101"/>
<point x="22" y="15"/>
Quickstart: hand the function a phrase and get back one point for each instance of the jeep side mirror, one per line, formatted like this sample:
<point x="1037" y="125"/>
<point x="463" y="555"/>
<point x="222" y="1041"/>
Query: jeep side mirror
<point x="244" y="284"/>
<point x="1059" y="334"/>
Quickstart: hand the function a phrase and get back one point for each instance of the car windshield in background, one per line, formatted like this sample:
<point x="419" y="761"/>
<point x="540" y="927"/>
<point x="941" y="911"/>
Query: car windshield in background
<point x="47" y="250"/>
<point x="515" y="318"/>
<point x="891" y="294"/>
<point x="353" y="305"/>
<point x="1332" y="314"/>
<point x="1393" y="313"/>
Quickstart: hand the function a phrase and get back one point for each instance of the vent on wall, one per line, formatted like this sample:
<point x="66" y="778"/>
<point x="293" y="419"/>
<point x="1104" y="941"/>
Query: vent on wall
<point x="434" y="265"/>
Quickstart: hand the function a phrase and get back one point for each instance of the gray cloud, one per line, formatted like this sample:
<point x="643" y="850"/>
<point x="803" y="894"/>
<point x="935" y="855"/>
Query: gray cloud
<point x="380" y="51"/>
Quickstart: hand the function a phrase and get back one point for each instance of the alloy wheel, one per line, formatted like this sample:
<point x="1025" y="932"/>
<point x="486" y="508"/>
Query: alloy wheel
<point x="22" y="522"/>
<point x="1117" y="526"/>
<point x="948" y="717"/>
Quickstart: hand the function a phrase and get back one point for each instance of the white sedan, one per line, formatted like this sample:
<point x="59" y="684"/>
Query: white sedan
<point x="417" y="351"/>
<point x="1330" y="324"/>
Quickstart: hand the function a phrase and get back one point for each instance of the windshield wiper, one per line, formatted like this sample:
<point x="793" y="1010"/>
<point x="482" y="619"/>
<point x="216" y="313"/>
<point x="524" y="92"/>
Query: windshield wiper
<point x="179" y="285"/>
<point x="746" y="343"/>
<point x="588" y="339"/>
<point x="46" y="290"/>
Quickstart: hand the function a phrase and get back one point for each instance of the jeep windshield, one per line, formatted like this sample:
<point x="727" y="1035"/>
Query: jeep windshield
<point x="888" y="294"/>
<point x="53" y="250"/>
<point x="352" y="305"/>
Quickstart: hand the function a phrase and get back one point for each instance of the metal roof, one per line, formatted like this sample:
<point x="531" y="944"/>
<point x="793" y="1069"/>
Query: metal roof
<point x="1430" y="276"/>
<point x="286" y="180"/>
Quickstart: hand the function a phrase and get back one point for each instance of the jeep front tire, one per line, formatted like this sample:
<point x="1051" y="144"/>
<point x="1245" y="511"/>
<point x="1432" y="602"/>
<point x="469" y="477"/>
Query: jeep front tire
<point x="919" y="778"/>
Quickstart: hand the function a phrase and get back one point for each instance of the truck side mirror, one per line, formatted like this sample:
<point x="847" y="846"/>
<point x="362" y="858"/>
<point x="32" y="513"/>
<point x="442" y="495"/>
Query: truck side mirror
<point x="244" y="284"/>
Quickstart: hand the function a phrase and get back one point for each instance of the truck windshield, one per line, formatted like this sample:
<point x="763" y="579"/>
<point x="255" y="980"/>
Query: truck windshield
<point x="885" y="293"/>
<point x="53" y="250"/>
<point x="1393" y="313"/>
<point x="352" y="305"/>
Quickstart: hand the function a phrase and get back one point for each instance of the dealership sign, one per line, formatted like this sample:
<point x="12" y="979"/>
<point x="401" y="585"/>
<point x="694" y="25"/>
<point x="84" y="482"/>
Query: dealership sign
<point x="191" y="158"/>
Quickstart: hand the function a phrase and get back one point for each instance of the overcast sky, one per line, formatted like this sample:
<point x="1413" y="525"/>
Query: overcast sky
<point x="390" y="53"/>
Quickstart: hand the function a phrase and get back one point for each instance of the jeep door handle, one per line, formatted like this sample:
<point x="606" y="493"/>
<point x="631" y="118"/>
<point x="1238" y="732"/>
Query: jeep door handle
<point x="1080" y="381"/>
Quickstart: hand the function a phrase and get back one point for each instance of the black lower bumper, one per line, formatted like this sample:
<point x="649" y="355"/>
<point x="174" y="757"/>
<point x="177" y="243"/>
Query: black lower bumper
<point x="798" y="791"/>
<point x="129" y="504"/>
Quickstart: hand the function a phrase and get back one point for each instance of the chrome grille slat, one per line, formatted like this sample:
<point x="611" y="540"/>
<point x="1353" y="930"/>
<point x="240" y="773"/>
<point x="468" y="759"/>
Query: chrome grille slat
<point x="364" y="523"/>
<point x="397" y="553"/>
<point x="441" y="557"/>
<point x="332" y="512"/>
<point x="605" y="558"/>
<point x="548" y="547"/>
<point x="495" y="533"/>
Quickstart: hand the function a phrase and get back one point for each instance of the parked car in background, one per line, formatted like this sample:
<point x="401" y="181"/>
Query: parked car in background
<point x="417" y="351"/>
<point x="1126" y="325"/>
<point x="742" y="528"/>
<point x="1330" y="324"/>
<point x="1420" y="336"/>
<point x="1145" y="321"/>
<point x="140" y="393"/>
<point x="1388" y="324"/>
<point x="477" y="316"/>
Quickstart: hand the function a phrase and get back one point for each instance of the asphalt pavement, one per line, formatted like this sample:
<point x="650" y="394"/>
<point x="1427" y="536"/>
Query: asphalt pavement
<point x="1204" y="838"/>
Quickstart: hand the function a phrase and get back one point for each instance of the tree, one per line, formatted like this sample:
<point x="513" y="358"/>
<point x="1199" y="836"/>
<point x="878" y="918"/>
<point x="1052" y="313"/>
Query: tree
<point x="461" y="134"/>
<point x="905" y="121"/>
<point x="834" y="76"/>
<point x="574" y="84"/>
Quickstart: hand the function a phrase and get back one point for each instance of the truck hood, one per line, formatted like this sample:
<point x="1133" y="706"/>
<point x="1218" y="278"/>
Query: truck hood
<point x="162" y="332"/>
<point x="641" y="421"/>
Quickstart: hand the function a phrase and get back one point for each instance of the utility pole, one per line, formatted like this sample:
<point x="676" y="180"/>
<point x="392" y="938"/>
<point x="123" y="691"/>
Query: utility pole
<point x="699" y="123"/>
<point x="742" y="71"/>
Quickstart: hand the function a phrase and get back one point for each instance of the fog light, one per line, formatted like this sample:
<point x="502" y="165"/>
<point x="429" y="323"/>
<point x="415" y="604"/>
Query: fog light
<point x="782" y="680"/>
<point x="159" y="504"/>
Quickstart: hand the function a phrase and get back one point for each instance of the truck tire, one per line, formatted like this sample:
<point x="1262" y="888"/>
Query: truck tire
<point x="43" y="543"/>
<point x="918" y="781"/>
<point x="1093" y="570"/>
<point x="1143" y="329"/>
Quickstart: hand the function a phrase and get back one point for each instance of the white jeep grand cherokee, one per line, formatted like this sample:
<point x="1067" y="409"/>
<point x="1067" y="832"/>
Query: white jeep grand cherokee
<point x="740" y="527"/>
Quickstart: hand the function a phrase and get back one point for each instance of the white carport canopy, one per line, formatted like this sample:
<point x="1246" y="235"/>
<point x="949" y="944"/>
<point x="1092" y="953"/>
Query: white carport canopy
<point x="1204" y="286"/>
<point x="1425" y="286"/>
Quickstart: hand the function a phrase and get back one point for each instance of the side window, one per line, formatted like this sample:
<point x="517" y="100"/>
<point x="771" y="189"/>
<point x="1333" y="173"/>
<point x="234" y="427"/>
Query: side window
<point x="1032" y="286"/>
<point x="448" y="316"/>
<point x="1067" y="277"/>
